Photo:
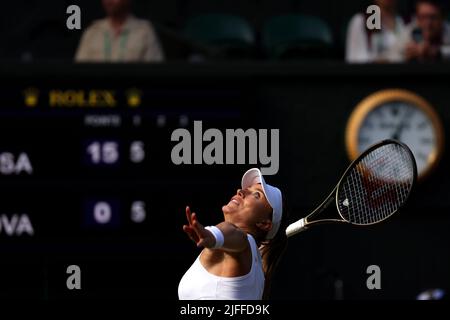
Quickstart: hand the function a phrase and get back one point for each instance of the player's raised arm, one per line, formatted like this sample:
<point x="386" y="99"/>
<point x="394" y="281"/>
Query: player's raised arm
<point x="225" y="236"/>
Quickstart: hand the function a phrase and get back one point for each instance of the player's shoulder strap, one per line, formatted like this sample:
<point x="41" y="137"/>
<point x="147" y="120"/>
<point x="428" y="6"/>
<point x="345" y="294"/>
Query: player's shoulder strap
<point x="256" y="255"/>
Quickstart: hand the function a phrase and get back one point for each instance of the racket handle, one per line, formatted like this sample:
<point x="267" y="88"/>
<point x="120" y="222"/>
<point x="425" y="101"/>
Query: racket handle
<point x="295" y="227"/>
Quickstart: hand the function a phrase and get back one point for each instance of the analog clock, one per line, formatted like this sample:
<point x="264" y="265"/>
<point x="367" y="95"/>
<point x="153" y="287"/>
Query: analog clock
<point x="400" y="115"/>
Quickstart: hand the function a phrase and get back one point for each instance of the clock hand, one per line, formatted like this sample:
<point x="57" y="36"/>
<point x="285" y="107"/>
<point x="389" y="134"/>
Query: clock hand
<point x="401" y="126"/>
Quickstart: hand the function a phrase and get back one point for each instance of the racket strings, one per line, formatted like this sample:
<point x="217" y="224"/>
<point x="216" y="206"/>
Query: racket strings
<point x="377" y="185"/>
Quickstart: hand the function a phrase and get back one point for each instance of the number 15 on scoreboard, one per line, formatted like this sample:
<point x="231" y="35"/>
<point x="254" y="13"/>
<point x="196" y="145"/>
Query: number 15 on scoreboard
<point x="108" y="152"/>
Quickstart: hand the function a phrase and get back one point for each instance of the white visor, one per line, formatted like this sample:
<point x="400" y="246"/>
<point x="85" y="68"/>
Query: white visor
<point x="273" y="196"/>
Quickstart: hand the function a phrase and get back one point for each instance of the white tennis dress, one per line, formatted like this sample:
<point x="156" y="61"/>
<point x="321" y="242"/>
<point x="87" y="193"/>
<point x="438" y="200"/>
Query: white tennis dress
<point x="198" y="284"/>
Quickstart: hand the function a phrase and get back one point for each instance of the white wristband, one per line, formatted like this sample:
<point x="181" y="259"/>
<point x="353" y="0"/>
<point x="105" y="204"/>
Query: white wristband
<point x="218" y="235"/>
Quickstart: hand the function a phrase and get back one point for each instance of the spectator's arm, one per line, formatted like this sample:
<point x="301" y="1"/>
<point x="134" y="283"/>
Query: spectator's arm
<point x="445" y="48"/>
<point x="445" y="52"/>
<point x="82" y="53"/>
<point x="357" y="47"/>
<point x="393" y="53"/>
<point x="399" y="52"/>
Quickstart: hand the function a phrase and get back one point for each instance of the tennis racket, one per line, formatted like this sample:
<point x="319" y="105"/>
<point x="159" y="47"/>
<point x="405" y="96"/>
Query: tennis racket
<point x="374" y="187"/>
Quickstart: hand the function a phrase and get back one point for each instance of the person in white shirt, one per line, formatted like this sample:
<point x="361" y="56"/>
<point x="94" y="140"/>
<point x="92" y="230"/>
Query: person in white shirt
<point x="120" y="37"/>
<point x="427" y="38"/>
<point x="373" y="46"/>
<point x="239" y="254"/>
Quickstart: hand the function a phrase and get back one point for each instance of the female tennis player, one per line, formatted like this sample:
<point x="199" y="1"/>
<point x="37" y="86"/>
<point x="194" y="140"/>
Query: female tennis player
<point x="239" y="254"/>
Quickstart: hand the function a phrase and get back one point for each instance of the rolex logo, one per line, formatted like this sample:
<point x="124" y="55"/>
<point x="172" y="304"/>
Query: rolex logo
<point x="31" y="97"/>
<point x="134" y="97"/>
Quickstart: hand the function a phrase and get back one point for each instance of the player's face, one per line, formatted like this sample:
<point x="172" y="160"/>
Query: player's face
<point x="430" y="21"/>
<point x="248" y="207"/>
<point x="113" y="7"/>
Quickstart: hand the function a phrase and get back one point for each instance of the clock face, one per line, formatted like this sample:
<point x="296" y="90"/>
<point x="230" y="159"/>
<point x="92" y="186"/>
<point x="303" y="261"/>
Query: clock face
<point x="403" y="122"/>
<point x="398" y="115"/>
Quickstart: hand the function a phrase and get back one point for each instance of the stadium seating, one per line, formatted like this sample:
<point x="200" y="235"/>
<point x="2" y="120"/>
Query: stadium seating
<point x="228" y="36"/>
<point x="296" y="36"/>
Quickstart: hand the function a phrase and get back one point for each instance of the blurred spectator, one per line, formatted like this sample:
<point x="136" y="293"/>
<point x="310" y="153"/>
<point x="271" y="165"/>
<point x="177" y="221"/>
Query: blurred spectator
<point x="120" y="37"/>
<point x="427" y="38"/>
<point x="431" y="294"/>
<point x="365" y="45"/>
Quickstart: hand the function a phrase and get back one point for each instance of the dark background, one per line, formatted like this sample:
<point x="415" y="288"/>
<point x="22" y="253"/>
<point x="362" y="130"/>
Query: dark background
<point x="309" y="101"/>
<point x="310" y="104"/>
